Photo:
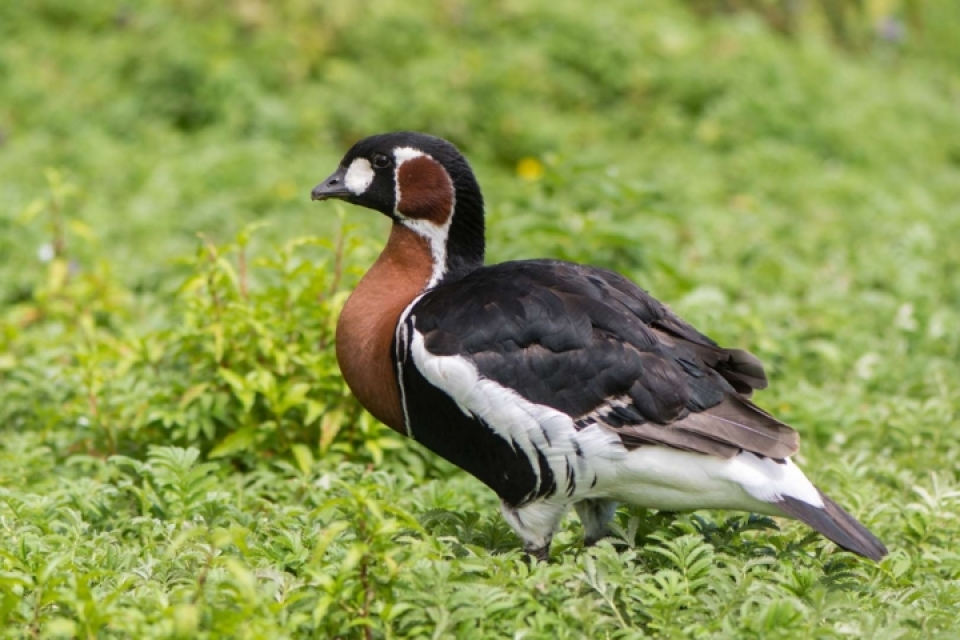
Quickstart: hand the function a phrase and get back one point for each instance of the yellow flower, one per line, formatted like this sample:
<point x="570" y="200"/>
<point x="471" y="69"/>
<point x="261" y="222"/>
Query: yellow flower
<point x="530" y="169"/>
<point x="708" y="131"/>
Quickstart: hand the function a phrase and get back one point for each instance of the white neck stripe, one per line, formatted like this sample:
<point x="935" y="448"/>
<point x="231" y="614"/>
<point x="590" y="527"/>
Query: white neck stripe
<point x="435" y="235"/>
<point x="402" y="154"/>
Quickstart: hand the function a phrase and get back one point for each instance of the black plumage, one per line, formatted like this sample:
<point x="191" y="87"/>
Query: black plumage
<point x="440" y="425"/>
<point x="590" y="343"/>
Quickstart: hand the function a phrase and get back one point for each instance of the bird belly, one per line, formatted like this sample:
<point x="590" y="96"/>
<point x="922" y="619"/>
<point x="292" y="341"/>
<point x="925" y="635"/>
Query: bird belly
<point x="673" y="480"/>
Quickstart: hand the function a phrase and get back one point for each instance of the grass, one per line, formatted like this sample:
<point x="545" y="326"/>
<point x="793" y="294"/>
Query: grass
<point x="179" y="455"/>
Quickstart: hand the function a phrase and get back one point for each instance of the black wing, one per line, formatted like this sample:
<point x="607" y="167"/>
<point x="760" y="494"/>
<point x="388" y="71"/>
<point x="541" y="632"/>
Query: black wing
<point x="590" y="343"/>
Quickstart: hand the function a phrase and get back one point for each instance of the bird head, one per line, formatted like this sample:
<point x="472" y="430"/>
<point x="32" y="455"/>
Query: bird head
<point x="421" y="182"/>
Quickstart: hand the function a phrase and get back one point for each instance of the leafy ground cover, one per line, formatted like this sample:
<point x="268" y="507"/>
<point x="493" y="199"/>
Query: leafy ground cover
<point x="179" y="456"/>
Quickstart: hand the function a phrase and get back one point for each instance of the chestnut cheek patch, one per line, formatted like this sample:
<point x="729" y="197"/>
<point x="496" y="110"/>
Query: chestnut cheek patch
<point x="425" y="191"/>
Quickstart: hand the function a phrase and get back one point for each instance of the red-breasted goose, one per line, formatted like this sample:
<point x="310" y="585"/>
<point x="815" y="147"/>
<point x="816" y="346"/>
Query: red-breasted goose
<point x="555" y="384"/>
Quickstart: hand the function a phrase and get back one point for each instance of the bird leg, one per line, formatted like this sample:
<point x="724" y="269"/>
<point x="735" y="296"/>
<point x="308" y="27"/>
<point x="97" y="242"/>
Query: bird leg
<point x="541" y="555"/>
<point x="535" y="524"/>
<point x="595" y="515"/>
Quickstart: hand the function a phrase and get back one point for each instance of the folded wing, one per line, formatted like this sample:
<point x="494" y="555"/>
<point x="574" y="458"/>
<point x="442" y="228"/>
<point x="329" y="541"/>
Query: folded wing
<point x="592" y="344"/>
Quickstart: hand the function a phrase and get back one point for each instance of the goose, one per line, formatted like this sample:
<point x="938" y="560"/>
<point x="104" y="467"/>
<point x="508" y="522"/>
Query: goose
<point x="554" y="384"/>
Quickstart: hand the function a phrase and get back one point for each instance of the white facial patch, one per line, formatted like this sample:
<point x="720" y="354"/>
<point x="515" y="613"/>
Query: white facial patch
<point x="359" y="176"/>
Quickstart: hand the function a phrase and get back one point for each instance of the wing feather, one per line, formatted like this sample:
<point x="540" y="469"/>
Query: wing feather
<point x="592" y="344"/>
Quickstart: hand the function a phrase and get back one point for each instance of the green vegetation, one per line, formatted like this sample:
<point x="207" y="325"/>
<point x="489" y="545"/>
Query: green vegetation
<point x="179" y="456"/>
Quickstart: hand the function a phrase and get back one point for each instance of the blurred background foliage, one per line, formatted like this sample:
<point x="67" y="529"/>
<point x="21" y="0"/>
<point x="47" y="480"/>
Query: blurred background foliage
<point x="786" y="173"/>
<point x="679" y="142"/>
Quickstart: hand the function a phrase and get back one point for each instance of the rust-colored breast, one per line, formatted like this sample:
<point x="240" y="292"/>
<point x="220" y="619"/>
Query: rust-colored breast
<point x="368" y="321"/>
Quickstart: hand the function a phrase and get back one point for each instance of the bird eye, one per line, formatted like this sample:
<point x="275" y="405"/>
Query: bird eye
<point x="381" y="161"/>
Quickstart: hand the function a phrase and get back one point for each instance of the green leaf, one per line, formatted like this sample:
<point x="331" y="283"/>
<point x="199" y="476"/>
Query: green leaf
<point x="242" y="439"/>
<point x="304" y="457"/>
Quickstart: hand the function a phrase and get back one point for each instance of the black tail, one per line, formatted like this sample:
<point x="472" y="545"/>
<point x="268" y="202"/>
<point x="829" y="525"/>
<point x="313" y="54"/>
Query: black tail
<point x="833" y="522"/>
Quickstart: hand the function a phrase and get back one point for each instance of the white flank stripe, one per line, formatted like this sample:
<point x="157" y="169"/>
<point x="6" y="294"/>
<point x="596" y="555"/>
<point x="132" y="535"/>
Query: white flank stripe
<point x="606" y="408"/>
<point x="529" y="427"/>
